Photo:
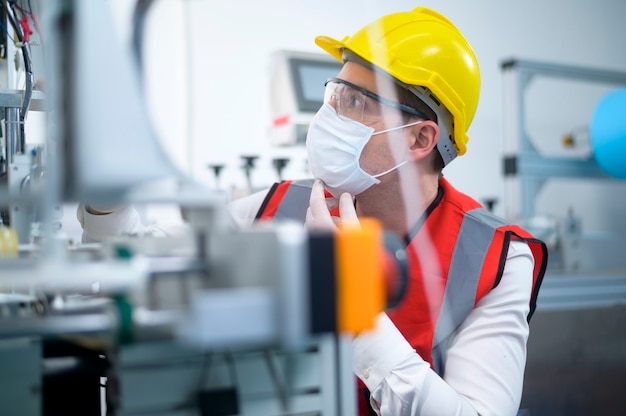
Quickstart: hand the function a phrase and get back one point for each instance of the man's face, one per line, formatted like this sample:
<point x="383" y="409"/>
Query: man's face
<point x="382" y="151"/>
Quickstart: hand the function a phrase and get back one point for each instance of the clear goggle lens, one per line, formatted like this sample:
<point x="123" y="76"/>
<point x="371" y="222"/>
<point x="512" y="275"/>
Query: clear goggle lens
<point x="359" y="104"/>
<point x="352" y="103"/>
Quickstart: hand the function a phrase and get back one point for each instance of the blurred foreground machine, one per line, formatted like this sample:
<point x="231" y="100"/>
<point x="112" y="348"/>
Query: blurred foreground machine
<point x="215" y="322"/>
<point x="250" y="325"/>
<point x="576" y="352"/>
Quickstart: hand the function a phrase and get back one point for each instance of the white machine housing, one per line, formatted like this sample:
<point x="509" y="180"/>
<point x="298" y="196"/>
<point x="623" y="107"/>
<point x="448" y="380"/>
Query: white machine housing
<point x="297" y="92"/>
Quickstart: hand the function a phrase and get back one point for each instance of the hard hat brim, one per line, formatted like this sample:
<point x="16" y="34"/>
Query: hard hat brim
<point x="331" y="46"/>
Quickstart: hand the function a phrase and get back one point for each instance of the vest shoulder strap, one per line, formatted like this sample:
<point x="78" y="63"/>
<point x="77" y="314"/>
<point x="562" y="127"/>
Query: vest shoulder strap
<point x="478" y="259"/>
<point x="287" y="200"/>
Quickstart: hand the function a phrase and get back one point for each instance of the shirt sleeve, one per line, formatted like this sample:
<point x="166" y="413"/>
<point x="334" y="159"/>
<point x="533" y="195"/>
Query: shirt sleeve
<point x="484" y="362"/>
<point x="128" y="221"/>
<point x="243" y="210"/>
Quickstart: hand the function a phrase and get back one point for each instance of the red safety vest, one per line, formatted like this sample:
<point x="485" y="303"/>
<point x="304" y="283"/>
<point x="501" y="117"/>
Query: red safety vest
<point x="456" y="255"/>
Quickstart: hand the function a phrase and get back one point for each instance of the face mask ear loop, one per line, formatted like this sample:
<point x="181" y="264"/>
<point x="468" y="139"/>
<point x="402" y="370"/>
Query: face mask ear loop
<point x="397" y="128"/>
<point x="378" y="175"/>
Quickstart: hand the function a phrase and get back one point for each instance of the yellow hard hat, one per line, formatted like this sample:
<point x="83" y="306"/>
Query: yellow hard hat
<point x="422" y="48"/>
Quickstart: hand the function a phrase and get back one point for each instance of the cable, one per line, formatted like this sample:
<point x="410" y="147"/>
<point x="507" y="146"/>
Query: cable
<point x="28" y="90"/>
<point x="30" y="13"/>
<point x="4" y="28"/>
<point x="12" y="15"/>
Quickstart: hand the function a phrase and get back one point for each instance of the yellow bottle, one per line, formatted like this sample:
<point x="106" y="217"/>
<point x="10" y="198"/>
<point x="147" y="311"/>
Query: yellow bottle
<point x="8" y="242"/>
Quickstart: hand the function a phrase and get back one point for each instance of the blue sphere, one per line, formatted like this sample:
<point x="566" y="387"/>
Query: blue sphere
<point x="607" y="134"/>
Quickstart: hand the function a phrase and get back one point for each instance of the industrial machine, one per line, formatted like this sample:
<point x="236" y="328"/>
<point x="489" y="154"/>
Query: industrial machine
<point x="215" y="322"/>
<point x="576" y="356"/>
<point x="296" y="84"/>
<point x="223" y="322"/>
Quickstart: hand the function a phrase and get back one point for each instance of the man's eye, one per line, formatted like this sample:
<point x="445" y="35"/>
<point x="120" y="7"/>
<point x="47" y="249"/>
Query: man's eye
<point x="354" y="101"/>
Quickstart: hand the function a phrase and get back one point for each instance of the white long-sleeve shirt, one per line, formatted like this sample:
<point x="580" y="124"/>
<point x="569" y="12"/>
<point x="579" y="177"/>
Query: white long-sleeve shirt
<point x="484" y="360"/>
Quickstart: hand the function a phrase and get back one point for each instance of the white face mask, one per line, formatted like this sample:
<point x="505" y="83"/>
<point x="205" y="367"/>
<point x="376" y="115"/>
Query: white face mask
<point x="334" y="145"/>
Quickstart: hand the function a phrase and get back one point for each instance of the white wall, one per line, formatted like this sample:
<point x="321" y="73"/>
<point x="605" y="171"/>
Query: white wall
<point x="208" y="80"/>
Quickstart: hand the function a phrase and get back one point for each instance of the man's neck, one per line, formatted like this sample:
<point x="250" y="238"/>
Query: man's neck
<point x="400" y="204"/>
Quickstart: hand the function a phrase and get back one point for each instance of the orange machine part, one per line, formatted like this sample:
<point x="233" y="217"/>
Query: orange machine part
<point x="360" y="275"/>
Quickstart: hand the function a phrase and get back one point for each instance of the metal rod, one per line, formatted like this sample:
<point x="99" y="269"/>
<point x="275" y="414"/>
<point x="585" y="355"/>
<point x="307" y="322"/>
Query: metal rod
<point x="13" y="143"/>
<point x="49" y="326"/>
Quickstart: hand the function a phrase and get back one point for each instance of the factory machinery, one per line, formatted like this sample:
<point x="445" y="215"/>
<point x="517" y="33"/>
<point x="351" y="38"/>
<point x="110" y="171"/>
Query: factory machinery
<point x="223" y="322"/>
<point x="576" y="355"/>
<point x="249" y="323"/>
<point x="214" y="322"/>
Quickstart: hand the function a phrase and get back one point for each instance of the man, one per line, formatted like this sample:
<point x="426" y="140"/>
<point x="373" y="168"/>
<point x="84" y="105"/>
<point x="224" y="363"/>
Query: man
<point x="395" y="115"/>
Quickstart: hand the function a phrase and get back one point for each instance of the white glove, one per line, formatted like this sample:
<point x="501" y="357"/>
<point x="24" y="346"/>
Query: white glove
<point x="318" y="215"/>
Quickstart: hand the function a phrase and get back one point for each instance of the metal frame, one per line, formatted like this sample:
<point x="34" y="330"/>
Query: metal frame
<point x="529" y="166"/>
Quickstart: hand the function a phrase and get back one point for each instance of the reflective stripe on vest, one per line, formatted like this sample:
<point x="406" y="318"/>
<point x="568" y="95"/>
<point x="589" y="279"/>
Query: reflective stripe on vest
<point x="295" y="201"/>
<point x="465" y="271"/>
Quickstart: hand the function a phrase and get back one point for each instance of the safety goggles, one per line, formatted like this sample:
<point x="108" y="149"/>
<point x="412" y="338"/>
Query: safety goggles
<point x="359" y="104"/>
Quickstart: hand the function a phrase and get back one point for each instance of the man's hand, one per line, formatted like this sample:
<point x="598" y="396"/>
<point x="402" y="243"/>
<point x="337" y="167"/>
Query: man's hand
<point x="318" y="215"/>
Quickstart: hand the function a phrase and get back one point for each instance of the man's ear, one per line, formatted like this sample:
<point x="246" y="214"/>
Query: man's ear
<point x="424" y="137"/>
